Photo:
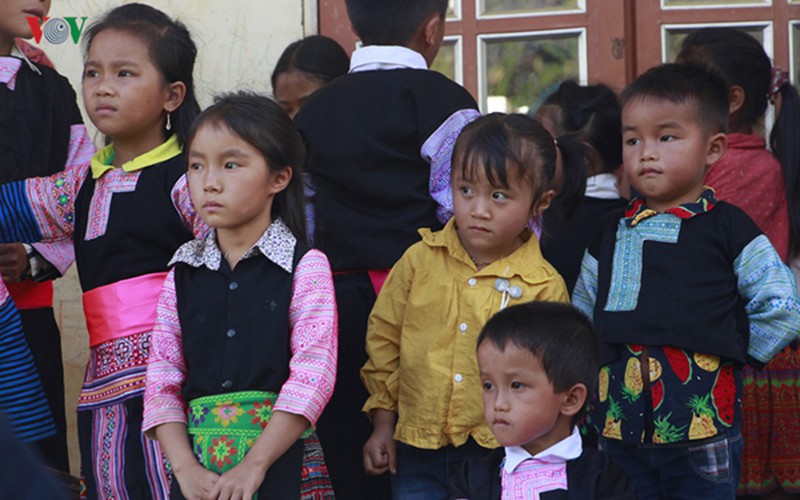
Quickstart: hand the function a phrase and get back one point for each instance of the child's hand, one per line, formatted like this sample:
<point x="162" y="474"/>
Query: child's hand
<point x="239" y="483"/>
<point x="196" y="482"/>
<point x="379" y="453"/>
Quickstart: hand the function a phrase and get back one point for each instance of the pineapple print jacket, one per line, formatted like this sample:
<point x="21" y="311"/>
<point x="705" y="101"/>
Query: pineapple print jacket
<point x="681" y="300"/>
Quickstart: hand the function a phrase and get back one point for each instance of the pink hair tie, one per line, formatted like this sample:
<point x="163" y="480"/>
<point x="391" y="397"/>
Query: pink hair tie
<point x="778" y="79"/>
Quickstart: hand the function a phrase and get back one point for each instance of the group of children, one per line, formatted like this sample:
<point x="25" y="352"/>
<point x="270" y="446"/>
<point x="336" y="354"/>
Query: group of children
<point x="425" y="334"/>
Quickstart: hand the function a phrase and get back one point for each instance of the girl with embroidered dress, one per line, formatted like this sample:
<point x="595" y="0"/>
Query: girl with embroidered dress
<point x="422" y="372"/>
<point x="245" y="338"/>
<point x="126" y="209"/>
<point x="766" y="185"/>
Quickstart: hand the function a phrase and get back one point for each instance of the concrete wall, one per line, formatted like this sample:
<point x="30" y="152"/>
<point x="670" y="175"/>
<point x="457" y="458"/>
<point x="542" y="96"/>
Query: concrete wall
<point x="238" y="43"/>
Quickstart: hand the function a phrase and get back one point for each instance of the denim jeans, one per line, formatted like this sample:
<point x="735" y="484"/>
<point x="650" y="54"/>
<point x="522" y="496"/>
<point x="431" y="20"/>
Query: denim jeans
<point x="708" y="470"/>
<point x="425" y="474"/>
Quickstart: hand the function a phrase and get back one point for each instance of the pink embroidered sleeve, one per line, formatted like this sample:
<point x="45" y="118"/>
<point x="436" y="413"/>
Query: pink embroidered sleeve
<point x="314" y="341"/>
<point x="166" y="368"/>
<point x="52" y="199"/>
<point x="60" y="254"/>
<point x="183" y="204"/>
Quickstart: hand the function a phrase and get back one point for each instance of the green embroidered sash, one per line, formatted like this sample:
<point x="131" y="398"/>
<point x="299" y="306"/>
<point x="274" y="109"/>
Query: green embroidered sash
<point x="224" y="427"/>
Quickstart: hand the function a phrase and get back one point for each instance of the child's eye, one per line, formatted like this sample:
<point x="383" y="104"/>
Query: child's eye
<point x="667" y="138"/>
<point x="90" y="73"/>
<point x="517" y="385"/>
<point x="633" y="141"/>
<point x="466" y="190"/>
<point x="195" y="166"/>
<point x="123" y="73"/>
<point x="487" y="386"/>
<point x="231" y="165"/>
<point x="499" y="196"/>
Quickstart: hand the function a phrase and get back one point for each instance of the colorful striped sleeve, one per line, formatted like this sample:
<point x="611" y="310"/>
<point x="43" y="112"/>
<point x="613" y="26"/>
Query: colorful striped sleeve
<point x="22" y="397"/>
<point x="772" y="306"/>
<point x="314" y="342"/>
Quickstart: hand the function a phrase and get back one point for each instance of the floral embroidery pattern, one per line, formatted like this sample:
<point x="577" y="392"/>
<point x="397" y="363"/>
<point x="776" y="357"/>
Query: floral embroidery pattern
<point x="227" y="412"/>
<point x="261" y="413"/>
<point x="197" y="414"/>
<point x="221" y="451"/>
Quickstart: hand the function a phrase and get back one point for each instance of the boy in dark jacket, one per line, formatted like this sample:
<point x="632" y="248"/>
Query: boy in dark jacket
<point x="538" y="364"/>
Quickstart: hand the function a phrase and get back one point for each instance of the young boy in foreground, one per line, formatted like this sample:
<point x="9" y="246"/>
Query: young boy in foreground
<point x="538" y="364"/>
<point x="683" y="290"/>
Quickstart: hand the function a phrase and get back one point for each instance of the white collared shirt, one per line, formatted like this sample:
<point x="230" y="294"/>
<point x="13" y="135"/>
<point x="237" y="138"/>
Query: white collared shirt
<point x="602" y="186"/>
<point x="382" y="57"/>
<point x="567" y="449"/>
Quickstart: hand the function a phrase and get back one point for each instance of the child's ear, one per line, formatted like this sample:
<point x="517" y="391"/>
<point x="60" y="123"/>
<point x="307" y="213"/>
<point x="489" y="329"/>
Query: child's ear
<point x="280" y="180"/>
<point x="717" y="144"/>
<point x="544" y="202"/>
<point x="574" y="400"/>
<point x="736" y="97"/>
<point x="175" y="96"/>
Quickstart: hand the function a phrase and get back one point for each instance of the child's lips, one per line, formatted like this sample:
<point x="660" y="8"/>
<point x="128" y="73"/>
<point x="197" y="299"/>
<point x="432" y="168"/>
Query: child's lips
<point x="650" y="171"/>
<point x="35" y="13"/>
<point x="479" y="229"/>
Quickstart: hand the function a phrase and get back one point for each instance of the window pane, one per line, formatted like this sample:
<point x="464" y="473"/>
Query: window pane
<point x="674" y="38"/>
<point x="445" y="62"/>
<point x="495" y="7"/>
<point x="519" y="71"/>
<point x="451" y="9"/>
<point x="711" y="3"/>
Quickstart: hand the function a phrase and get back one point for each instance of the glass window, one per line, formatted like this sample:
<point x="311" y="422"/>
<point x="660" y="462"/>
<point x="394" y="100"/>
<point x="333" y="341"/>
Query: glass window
<point x="453" y="10"/>
<point x="448" y="61"/>
<point x="674" y="35"/>
<point x="511" y="7"/>
<point x="710" y="3"/>
<point x="519" y="70"/>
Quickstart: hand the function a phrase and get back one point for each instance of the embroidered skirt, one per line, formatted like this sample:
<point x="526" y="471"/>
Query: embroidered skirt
<point x="224" y="427"/>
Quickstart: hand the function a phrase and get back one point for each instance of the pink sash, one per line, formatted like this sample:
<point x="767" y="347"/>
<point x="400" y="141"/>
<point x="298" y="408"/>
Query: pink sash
<point x="123" y="308"/>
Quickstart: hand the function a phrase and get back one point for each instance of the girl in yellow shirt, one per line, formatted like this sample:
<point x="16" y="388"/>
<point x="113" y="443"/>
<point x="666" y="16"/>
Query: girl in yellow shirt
<point x="422" y="372"/>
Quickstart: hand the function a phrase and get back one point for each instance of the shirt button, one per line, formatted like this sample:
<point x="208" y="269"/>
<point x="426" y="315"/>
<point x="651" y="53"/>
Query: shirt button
<point x="227" y="384"/>
<point x="472" y="281"/>
<point x="233" y="285"/>
<point x="463" y="327"/>
<point x="231" y="333"/>
<point x="458" y="377"/>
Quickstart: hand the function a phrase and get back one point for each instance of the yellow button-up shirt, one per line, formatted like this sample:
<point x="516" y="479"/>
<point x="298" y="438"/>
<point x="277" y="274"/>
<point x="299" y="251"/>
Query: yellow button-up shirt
<point x="422" y="333"/>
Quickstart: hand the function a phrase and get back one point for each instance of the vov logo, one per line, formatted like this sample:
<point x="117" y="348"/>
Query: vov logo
<point x="57" y="30"/>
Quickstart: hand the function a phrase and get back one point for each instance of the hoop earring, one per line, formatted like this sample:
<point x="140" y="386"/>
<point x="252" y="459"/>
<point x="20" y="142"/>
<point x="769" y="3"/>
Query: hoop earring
<point x="169" y="123"/>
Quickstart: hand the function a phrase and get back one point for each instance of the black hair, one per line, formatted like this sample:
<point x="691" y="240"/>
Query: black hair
<point x="785" y="143"/>
<point x="318" y="57"/>
<point x="391" y="22"/>
<point x="593" y="112"/>
<point x="696" y="86"/>
<point x="739" y="59"/>
<point x="497" y="140"/>
<point x="262" y="123"/>
<point x="171" y="48"/>
<point x="556" y="333"/>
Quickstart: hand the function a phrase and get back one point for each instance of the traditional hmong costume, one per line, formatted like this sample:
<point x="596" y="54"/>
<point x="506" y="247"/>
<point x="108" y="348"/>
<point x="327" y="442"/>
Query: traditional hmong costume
<point x="231" y="346"/>
<point x="22" y="399"/>
<point x="380" y="141"/>
<point x="39" y="118"/>
<point x="125" y="223"/>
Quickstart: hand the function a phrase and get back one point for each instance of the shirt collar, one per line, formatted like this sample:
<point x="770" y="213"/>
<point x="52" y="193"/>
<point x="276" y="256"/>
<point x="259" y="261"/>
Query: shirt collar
<point x="524" y="262"/>
<point x="567" y="449"/>
<point x="381" y="57"/>
<point x="638" y="211"/>
<point x="276" y="244"/>
<point x="101" y="161"/>
<point x="11" y="64"/>
<point x="602" y="186"/>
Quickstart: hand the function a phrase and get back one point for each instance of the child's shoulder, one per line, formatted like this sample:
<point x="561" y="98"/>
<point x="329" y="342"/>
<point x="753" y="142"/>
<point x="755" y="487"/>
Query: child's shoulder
<point x="594" y="475"/>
